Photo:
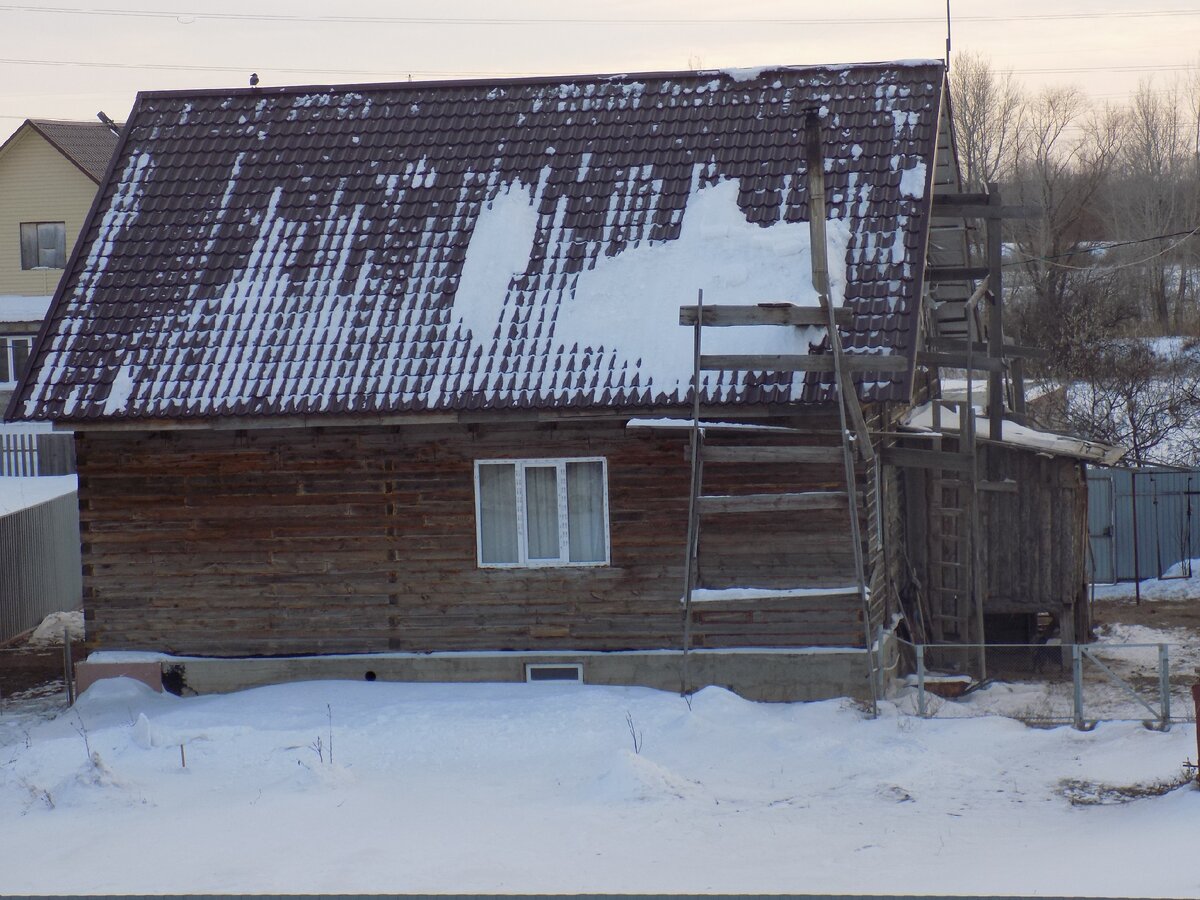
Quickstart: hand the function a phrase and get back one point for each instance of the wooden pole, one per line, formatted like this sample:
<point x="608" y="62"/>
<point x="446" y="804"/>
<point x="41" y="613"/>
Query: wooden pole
<point x="847" y="398"/>
<point x="995" y="251"/>
<point x="693" y="526"/>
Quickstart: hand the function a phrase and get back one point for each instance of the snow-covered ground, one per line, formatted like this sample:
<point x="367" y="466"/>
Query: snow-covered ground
<point x="1179" y="582"/>
<point x="365" y="787"/>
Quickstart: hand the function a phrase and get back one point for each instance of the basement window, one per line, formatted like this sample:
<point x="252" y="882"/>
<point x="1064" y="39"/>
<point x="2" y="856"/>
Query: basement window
<point x="541" y="512"/>
<point x="554" y="672"/>
<point x="43" y="245"/>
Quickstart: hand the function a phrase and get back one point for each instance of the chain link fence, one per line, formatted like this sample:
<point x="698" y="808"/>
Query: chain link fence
<point x="1051" y="684"/>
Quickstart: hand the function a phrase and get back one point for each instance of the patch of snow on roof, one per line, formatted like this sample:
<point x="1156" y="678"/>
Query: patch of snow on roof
<point x="499" y="251"/>
<point x="912" y="181"/>
<point x="733" y="260"/>
<point x="120" y="392"/>
<point x="746" y="73"/>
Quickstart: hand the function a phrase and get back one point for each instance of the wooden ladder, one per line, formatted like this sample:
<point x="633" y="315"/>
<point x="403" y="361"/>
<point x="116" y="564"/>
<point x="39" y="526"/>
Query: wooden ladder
<point x="855" y="438"/>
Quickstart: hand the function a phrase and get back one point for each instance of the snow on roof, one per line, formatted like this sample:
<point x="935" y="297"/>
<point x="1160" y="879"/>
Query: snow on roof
<point x="1014" y="435"/>
<point x="416" y="247"/>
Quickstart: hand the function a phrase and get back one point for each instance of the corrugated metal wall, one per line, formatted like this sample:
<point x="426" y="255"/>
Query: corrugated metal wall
<point x="1167" y="521"/>
<point x="40" y="570"/>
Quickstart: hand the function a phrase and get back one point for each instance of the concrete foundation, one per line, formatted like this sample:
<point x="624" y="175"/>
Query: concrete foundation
<point x="757" y="674"/>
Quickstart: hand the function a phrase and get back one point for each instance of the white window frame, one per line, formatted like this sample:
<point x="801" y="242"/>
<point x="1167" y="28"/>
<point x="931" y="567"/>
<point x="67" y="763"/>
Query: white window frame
<point x="7" y="348"/>
<point x="559" y="464"/>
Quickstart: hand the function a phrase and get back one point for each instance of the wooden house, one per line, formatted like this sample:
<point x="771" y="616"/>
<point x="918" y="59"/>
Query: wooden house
<point x="398" y="371"/>
<point x="49" y="171"/>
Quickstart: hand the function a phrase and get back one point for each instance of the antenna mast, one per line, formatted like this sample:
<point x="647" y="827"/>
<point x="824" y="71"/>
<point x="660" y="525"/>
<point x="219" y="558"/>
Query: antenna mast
<point x="947" y="35"/>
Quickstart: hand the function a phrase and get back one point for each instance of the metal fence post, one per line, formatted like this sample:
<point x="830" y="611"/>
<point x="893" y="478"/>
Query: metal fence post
<point x="1164" y="685"/>
<point x="920" y="680"/>
<point x="881" y="668"/>
<point x="1077" y="678"/>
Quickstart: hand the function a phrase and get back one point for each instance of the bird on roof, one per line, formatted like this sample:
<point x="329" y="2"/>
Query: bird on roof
<point x="253" y="79"/>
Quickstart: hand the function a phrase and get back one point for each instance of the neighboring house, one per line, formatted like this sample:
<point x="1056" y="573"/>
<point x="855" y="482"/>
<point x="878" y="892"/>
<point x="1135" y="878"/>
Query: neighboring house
<point x="398" y="368"/>
<point x="48" y="176"/>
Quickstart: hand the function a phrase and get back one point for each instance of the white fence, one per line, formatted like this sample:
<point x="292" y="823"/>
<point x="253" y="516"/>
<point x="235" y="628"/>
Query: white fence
<point x="26" y="453"/>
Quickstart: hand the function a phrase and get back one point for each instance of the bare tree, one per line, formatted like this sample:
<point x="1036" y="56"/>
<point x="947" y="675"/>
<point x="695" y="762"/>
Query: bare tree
<point x="1135" y="397"/>
<point x="1066" y="153"/>
<point x="1157" y="195"/>
<point x="987" y="108"/>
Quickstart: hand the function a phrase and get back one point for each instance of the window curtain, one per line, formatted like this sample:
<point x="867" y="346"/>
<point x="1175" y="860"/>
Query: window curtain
<point x="585" y="511"/>
<point x="541" y="512"/>
<point x="498" y="514"/>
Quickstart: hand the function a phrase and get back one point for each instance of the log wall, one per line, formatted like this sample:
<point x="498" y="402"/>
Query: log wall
<point x="268" y="542"/>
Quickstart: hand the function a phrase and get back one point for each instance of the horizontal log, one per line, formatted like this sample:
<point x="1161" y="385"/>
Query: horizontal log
<point x="765" y="314"/>
<point x="927" y="459"/>
<point x="1007" y="350"/>
<point x="980" y="206"/>
<point x="735" y="503"/>
<point x="716" y="454"/>
<point x="855" y="362"/>
<point x="960" y="361"/>
<point x="1004" y="487"/>
<point x="955" y="273"/>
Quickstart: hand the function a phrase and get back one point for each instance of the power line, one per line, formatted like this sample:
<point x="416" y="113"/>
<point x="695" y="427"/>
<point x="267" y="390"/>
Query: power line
<point x="443" y="73"/>
<point x="581" y="20"/>
<point x="1111" y="245"/>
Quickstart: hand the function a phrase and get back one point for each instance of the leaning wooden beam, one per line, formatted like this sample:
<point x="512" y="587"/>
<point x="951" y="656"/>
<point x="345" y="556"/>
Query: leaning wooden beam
<point x="857" y="362"/>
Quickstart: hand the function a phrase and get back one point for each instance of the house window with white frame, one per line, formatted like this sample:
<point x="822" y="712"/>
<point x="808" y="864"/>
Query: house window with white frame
<point x="43" y="245"/>
<point x="542" y="512"/>
<point x="14" y="354"/>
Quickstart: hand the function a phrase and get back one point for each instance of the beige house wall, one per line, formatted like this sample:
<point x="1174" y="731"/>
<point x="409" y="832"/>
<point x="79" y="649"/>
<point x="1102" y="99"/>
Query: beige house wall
<point x="37" y="184"/>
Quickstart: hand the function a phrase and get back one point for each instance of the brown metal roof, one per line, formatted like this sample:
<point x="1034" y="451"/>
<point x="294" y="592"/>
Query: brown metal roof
<point x="88" y="145"/>
<point x="392" y="248"/>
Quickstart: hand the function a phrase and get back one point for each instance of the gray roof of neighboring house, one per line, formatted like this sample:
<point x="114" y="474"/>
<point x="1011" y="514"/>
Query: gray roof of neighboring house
<point x="88" y="145"/>
<point x="520" y="244"/>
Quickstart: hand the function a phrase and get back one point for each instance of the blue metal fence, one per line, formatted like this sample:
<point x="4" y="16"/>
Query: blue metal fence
<point x="1142" y="523"/>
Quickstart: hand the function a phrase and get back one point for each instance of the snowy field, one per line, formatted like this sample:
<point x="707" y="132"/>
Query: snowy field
<point x="371" y="787"/>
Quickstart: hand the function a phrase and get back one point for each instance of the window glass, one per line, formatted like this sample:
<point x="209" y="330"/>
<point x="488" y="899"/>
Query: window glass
<point x="541" y="512"/>
<point x="20" y="355"/>
<point x="43" y="245"/>
<point x="5" y="370"/>
<point x="498" y="514"/>
<point x="585" y="511"/>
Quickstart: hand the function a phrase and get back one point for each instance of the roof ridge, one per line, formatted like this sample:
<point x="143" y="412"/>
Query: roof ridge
<point x="524" y="80"/>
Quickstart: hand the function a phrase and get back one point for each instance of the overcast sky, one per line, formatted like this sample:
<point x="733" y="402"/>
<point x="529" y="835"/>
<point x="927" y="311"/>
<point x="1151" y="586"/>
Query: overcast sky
<point x="68" y="61"/>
